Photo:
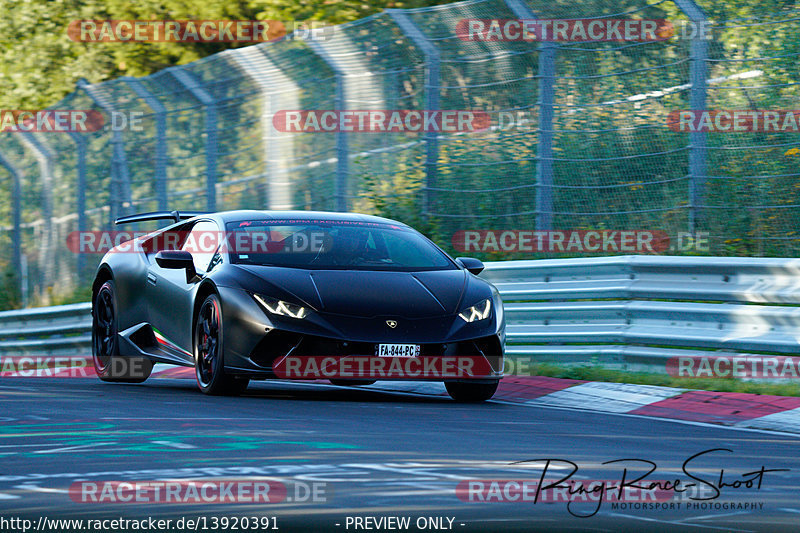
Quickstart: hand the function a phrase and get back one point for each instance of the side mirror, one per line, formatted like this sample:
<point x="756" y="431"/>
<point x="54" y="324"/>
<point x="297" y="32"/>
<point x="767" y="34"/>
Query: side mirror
<point x="475" y="266"/>
<point x="177" y="260"/>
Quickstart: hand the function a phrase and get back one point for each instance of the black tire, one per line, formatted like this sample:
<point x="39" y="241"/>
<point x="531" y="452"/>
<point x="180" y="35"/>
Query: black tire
<point x="470" y="392"/>
<point x="352" y="382"/>
<point x="108" y="365"/>
<point x="209" y="366"/>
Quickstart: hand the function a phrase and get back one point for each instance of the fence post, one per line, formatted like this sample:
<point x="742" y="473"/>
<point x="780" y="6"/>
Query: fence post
<point x="544" y="164"/>
<point x="46" y="252"/>
<point x="544" y="131"/>
<point x="432" y="62"/>
<point x="80" y="196"/>
<point x="211" y="121"/>
<point x="254" y="63"/>
<point x="341" y="135"/>
<point x="698" y="73"/>
<point x="16" y="218"/>
<point x="160" y="171"/>
<point x="120" y="190"/>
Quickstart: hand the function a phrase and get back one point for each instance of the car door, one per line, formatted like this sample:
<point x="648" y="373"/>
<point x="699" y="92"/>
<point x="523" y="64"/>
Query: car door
<point x="170" y="296"/>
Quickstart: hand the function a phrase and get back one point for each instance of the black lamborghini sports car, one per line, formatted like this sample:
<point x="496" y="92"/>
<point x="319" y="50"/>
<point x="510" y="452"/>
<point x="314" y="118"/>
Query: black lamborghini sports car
<point x="244" y="295"/>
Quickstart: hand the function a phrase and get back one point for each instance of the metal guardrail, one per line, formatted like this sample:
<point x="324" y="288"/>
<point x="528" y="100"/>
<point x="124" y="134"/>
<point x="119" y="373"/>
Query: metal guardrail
<point x="63" y="330"/>
<point x="632" y="312"/>
<point x="637" y="312"/>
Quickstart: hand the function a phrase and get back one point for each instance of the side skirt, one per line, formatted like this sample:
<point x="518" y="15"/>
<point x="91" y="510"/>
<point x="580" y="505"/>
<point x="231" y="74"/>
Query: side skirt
<point x="142" y="340"/>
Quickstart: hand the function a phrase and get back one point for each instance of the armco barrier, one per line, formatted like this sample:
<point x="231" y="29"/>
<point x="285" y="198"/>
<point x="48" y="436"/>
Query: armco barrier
<point x="63" y="330"/>
<point x="631" y="312"/>
<point x="636" y="312"/>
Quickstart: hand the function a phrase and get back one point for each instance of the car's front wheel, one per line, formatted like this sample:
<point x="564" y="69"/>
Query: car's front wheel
<point x="107" y="364"/>
<point x="470" y="392"/>
<point x="208" y="360"/>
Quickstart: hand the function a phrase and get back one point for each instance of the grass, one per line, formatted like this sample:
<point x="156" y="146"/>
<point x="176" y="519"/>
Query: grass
<point x="598" y="373"/>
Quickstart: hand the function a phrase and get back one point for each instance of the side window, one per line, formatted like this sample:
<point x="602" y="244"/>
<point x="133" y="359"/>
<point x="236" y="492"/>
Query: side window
<point x="216" y="260"/>
<point x="203" y="242"/>
<point x="166" y="240"/>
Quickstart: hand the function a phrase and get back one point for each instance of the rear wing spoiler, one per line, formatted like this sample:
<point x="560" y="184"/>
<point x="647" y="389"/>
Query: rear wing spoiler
<point x="175" y="216"/>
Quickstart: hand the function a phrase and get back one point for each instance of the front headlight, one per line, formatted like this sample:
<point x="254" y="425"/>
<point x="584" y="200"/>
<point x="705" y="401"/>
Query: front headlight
<point x="279" y="307"/>
<point x="478" y="311"/>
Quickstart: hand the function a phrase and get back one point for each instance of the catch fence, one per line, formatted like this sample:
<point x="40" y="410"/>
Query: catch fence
<point x="579" y="137"/>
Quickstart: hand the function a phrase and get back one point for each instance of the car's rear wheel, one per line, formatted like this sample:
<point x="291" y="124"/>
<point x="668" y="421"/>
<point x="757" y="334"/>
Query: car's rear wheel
<point x="470" y="392"/>
<point x="107" y="364"/>
<point x="208" y="359"/>
<point x="352" y="382"/>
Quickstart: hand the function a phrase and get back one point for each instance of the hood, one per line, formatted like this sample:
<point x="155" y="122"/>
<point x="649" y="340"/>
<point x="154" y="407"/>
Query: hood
<point x="367" y="293"/>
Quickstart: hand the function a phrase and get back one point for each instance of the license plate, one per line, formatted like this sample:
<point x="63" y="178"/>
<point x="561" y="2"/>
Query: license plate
<point x="397" y="350"/>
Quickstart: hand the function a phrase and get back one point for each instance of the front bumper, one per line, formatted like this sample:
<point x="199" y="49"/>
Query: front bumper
<point x="265" y="347"/>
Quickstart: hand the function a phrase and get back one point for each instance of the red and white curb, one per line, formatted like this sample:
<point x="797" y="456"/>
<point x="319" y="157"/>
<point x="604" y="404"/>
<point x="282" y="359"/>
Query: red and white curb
<point x="753" y="411"/>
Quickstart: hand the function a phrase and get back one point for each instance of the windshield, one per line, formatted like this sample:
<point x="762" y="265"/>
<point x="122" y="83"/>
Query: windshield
<point x="335" y="244"/>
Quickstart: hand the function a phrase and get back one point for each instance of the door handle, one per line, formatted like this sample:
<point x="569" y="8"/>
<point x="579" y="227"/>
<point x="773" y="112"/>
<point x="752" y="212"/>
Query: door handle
<point x="151" y="278"/>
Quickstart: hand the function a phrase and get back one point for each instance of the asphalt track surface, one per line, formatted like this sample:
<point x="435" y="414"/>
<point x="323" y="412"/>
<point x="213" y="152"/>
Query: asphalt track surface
<point x="375" y="453"/>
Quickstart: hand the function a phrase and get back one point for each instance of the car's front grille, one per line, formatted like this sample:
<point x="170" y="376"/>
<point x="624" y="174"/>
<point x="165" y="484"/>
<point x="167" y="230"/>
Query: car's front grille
<point x="321" y="346"/>
<point x="279" y="343"/>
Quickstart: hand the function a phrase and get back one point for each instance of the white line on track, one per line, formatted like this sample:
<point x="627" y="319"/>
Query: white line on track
<point x="651" y="418"/>
<point x="706" y="517"/>
<point x="72" y="448"/>
<point x="36" y="488"/>
<point x="414" y="493"/>
<point x="179" y="445"/>
<point x="26" y="445"/>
